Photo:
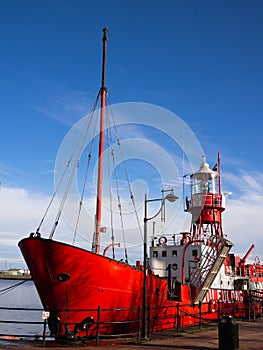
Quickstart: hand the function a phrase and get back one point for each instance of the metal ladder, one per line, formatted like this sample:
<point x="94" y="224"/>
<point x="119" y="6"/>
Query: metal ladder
<point x="211" y="260"/>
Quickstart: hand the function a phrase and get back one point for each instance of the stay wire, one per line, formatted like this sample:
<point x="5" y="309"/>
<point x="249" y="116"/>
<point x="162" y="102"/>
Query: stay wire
<point x="126" y="174"/>
<point x="85" y="179"/>
<point x="81" y="141"/>
<point x="118" y="195"/>
<point x="62" y="177"/>
<point x="110" y="190"/>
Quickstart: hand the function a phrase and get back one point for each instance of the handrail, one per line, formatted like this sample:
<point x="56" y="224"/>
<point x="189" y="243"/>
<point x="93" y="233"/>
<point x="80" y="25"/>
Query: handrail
<point x="177" y="316"/>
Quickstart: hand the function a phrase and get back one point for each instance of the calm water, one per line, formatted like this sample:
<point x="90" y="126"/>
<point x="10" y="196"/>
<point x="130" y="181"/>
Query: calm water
<point x="21" y="296"/>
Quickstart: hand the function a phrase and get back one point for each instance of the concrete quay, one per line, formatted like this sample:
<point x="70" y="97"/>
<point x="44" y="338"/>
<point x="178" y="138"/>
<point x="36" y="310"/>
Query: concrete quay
<point x="250" y="338"/>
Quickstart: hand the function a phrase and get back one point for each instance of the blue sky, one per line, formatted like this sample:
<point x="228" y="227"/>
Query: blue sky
<point x="199" y="59"/>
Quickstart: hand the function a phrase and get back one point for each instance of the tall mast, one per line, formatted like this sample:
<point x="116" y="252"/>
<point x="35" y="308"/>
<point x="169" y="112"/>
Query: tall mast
<point x="103" y="93"/>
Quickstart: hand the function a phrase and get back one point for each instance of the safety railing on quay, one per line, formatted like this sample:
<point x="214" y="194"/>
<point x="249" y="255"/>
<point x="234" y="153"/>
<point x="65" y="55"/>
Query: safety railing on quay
<point x="20" y="323"/>
<point x="31" y="324"/>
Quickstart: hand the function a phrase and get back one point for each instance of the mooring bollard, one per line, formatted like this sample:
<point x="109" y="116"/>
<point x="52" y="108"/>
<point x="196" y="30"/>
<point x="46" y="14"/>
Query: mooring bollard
<point x="228" y="333"/>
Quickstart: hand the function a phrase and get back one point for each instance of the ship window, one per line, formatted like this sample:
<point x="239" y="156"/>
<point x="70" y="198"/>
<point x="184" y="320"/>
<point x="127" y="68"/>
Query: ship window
<point x="174" y="253"/>
<point x="164" y="253"/>
<point x="155" y="254"/>
<point x="194" y="252"/>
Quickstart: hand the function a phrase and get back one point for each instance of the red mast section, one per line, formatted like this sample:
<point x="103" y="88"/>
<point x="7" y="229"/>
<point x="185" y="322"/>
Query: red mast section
<point x="103" y="94"/>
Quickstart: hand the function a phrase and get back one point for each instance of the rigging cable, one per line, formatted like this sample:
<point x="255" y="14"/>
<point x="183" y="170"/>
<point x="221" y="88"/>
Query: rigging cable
<point x="85" y="179"/>
<point x="126" y="174"/>
<point x="76" y="163"/>
<point x="117" y="189"/>
<point x="81" y="200"/>
<point x="110" y="191"/>
<point x="62" y="177"/>
<point x="10" y="288"/>
<point x="53" y="196"/>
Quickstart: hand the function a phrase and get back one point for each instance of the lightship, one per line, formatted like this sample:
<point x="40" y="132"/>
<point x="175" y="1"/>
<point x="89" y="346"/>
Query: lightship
<point x="187" y="269"/>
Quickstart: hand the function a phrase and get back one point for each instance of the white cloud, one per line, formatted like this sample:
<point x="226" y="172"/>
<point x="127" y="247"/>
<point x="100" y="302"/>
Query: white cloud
<point x="21" y="212"/>
<point x="243" y="219"/>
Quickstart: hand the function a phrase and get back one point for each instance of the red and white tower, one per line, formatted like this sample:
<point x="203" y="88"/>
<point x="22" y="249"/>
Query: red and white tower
<point x="207" y="203"/>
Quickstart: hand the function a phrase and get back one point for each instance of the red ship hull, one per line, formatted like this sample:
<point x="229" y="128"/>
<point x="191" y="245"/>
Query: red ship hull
<point x="94" y="281"/>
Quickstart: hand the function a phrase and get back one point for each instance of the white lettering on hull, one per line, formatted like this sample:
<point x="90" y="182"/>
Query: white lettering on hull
<point x="225" y="295"/>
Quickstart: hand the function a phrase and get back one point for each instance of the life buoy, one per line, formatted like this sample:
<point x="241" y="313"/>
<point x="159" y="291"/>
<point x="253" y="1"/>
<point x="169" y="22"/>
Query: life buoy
<point x="162" y="240"/>
<point x="174" y="266"/>
<point x="228" y="269"/>
<point x="212" y="306"/>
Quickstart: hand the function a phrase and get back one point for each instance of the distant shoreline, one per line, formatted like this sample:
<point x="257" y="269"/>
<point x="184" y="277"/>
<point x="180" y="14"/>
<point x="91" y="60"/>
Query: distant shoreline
<point x="12" y="277"/>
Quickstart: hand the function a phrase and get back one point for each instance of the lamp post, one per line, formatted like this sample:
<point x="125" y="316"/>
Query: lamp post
<point x="171" y="197"/>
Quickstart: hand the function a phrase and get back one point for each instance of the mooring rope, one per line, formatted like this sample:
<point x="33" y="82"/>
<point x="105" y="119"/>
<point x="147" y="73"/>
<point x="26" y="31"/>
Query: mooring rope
<point x="8" y="289"/>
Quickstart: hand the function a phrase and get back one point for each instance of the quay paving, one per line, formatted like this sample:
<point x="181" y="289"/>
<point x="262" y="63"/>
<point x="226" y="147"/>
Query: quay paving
<point x="250" y="338"/>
